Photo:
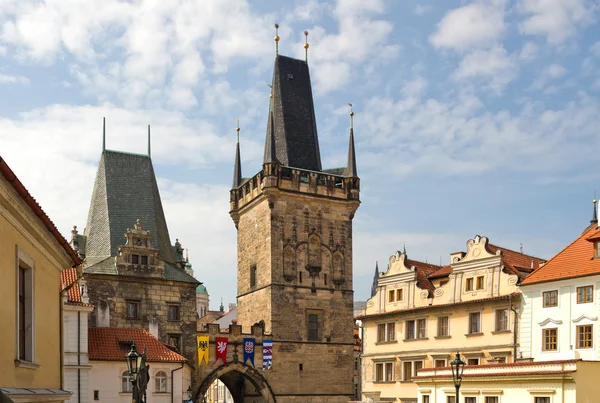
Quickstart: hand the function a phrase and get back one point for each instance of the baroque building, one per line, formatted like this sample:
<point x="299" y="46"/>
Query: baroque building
<point x="294" y="247"/>
<point x="136" y="278"/>
<point x="422" y="314"/>
<point x="32" y="256"/>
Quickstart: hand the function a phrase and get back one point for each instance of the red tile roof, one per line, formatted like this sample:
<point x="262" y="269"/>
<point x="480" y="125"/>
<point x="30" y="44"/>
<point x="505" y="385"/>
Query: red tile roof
<point x="67" y="278"/>
<point x="423" y="271"/>
<point x="111" y="344"/>
<point x="10" y="176"/>
<point x="575" y="260"/>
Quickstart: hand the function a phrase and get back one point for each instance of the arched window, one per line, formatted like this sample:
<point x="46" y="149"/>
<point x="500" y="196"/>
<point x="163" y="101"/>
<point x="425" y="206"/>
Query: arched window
<point x="160" y="382"/>
<point x="126" y="385"/>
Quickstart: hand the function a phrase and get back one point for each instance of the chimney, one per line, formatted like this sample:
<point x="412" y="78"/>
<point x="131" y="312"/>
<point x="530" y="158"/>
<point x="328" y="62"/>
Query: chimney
<point x="103" y="318"/>
<point x="153" y="327"/>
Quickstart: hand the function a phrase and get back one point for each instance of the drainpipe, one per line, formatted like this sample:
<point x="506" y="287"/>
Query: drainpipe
<point x="173" y="383"/>
<point x="515" y="324"/>
<point x="78" y="356"/>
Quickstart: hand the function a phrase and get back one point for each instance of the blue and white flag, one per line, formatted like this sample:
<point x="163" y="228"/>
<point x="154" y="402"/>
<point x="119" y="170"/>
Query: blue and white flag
<point x="267" y="354"/>
<point x="249" y="350"/>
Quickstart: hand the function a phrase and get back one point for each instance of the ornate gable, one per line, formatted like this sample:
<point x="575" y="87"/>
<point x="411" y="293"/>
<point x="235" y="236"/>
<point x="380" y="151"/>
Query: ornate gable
<point x="476" y="250"/>
<point x="398" y="265"/>
<point x="137" y="257"/>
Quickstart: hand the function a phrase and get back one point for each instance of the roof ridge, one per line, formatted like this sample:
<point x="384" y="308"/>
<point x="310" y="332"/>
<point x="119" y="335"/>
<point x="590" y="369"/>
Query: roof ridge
<point x="561" y="251"/>
<point x="126" y="152"/>
<point x="514" y="251"/>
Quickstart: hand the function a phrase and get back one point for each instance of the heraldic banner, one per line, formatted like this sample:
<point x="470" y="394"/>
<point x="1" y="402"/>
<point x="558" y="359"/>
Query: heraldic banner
<point x="249" y="350"/>
<point x="202" y="349"/>
<point x="221" y="346"/>
<point x="267" y="354"/>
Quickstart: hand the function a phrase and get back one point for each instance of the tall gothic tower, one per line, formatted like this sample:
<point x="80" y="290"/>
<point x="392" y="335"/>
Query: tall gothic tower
<point x="294" y="225"/>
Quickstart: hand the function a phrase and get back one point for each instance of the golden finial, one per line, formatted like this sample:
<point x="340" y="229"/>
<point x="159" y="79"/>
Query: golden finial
<point x="351" y="116"/>
<point x="306" y="46"/>
<point x="238" y="130"/>
<point x="187" y="256"/>
<point x="277" y="39"/>
<point x="271" y="92"/>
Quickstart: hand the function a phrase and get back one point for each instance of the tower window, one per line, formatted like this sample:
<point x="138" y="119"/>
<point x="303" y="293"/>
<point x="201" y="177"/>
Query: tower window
<point x="144" y="260"/>
<point x="313" y="326"/>
<point x="135" y="259"/>
<point x="299" y="277"/>
<point x="25" y="313"/>
<point x="133" y="309"/>
<point x="173" y="313"/>
<point x="325" y="278"/>
<point x="253" y="276"/>
<point x="304" y="177"/>
<point x="175" y="341"/>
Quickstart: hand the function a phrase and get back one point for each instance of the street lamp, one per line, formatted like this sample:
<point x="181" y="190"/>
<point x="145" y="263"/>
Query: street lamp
<point x="457" y="373"/>
<point x="189" y="392"/>
<point x="134" y="360"/>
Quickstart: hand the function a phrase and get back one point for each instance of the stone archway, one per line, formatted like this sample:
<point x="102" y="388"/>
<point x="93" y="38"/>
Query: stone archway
<point x="236" y="376"/>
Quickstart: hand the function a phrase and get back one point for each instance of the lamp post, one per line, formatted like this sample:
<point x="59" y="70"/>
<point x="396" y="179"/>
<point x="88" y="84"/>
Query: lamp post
<point x="138" y="370"/>
<point x="189" y="392"/>
<point x="133" y="364"/>
<point x="457" y="373"/>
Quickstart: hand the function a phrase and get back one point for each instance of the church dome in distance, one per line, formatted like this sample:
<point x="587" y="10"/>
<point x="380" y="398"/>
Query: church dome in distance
<point x="201" y="289"/>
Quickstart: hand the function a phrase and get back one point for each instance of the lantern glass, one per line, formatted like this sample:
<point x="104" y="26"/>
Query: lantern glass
<point x="133" y="360"/>
<point x="458" y="367"/>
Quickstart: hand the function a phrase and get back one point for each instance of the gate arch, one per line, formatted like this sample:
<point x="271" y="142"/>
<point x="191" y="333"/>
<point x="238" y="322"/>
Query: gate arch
<point x="247" y="372"/>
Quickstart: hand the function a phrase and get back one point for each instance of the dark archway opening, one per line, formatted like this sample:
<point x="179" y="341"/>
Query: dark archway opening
<point x="245" y="384"/>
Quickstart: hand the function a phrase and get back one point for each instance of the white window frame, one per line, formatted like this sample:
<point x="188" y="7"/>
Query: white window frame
<point x="23" y="260"/>
<point x="469" y="329"/>
<point x="126" y="380"/>
<point x="413" y="371"/>
<point x="447" y="327"/>
<point x="163" y="386"/>
<point x="384" y="371"/>
<point x="386" y="330"/>
<point x="507" y="316"/>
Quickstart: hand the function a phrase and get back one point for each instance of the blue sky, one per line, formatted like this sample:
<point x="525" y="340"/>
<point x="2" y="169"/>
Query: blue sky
<point x="471" y="117"/>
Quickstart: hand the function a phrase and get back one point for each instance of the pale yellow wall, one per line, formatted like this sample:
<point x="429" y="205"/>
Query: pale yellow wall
<point x="20" y="228"/>
<point x="586" y="378"/>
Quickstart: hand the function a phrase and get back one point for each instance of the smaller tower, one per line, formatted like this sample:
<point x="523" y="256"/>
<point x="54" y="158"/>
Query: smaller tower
<point x="237" y="168"/>
<point x="374" y="286"/>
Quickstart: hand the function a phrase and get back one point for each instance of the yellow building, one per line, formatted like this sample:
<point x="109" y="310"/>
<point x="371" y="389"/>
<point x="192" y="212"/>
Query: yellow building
<point x="32" y="255"/>
<point x="421" y="314"/>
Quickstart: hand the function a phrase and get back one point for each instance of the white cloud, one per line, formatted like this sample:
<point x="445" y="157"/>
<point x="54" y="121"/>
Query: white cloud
<point x="529" y="51"/>
<point x="595" y="49"/>
<point x="557" y="20"/>
<point x="471" y="26"/>
<point x="494" y="66"/>
<point x="13" y="79"/>
<point x="421" y="9"/>
<point x="549" y="74"/>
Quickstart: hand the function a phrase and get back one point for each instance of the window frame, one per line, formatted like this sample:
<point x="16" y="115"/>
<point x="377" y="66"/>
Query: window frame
<point x="421" y="328"/>
<point x="496" y="398"/>
<point x="544" y="346"/>
<point x="253" y="276"/>
<point x="413" y="369"/>
<point x="585" y="295"/>
<point x="137" y="309"/>
<point x="470" y="329"/>
<point x="474" y="358"/>
<point x="390" y="331"/>
<point x="440" y="327"/>
<point x="381" y="332"/>
<point x="469" y="284"/>
<point x="126" y="381"/>
<point x="24" y="308"/>
<point x="436" y="360"/>
<point x="412" y="335"/>
<point x="384" y="366"/>
<point x="578" y="340"/>
<point x="470" y="399"/>
<point x="477" y="287"/>
<point x="177" y="309"/>
<point x="176" y="336"/>
<point x="502" y="317"/>
<point x="399" y="295"/>
<point x="163" y="386"/>
<point x="391" y="296"/>
<point x="550" y="293"/>
<point x="310" y="336"/>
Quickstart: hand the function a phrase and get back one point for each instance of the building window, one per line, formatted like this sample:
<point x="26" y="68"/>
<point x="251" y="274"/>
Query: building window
<point x="442" y="328"/>
<point x="160" y="382"/>
<point x="480" y="283"/>
<point x="25" y="312"/>
<point x="391" y="331"/>
<point x="325" y="278"/>
<point x="550" y="298"/>
<point x="135" y="259"/>
<point x="410" y="330"/>
<point x="384" y="372"/>
<point x="144" y="260"/>
<point x="391" y="295"/>
<point x="410" y="368"/>
<point x="540" y="399"/>
<point x="175" y="341"/>
<point x="439" y="363"/>
<point x="469" y="284"/>
<point x="500" y="360"/>
<point x="313" y="326"/>
<point x="425" y="399"/>
<point x="470" y="399"/>
<point x="253" y="276"/>
<point x="450" y="399"/>
<point x="549" y="339"/>
<point x="474" y="322"/>
<point x="501" y="320"/>
<point x="133" y="309"/>
<point x="472" y="361"/>
<point x="399" y="294"/>
<point x="173" y="313"/>
<point x="491" y="399"/>
<point x="126" y="386"/>
<point x="421" y="328"/>
<point x="380" y="332"/>
<point x="585" y="294"/>
<point x="584" y="336"/>
<point x="299" y="276"/>
<point x="96" y="395"/>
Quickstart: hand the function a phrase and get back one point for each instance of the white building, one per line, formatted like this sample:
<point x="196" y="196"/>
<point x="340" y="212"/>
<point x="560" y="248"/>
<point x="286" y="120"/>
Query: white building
<point x="76" y="310"/>
<point x="568" y="381"/>
<point x="560" y="303"/>
<point x="109" y="381"/>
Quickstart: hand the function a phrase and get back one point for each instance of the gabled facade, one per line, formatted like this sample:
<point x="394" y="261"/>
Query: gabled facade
<point x="32" y="255"/>
<point x="422" y="314"/>
<point x="560" y="303"/>
<point x="135" y="277"/>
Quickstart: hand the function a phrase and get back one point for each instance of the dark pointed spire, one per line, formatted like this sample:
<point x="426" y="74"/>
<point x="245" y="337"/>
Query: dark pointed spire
<point x="148" y="140"/>
<point x="270" y="151"/>
<point x="594" y="219"/>
<point x="350" y="170"/>
<point x="237" y="168"/>
<point x="221" y="308"/>
<point x="103" y="134"/>
<point x="404" y="248"/>
<point x="374" y="286"/>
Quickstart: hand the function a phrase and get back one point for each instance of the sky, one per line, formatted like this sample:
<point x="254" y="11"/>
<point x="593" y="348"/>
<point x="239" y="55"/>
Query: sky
<point x="471" y="117"/>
